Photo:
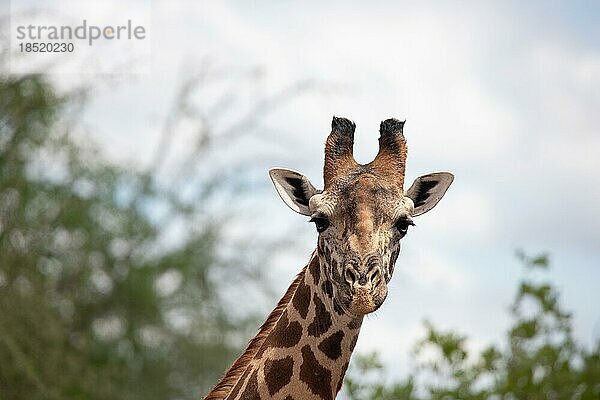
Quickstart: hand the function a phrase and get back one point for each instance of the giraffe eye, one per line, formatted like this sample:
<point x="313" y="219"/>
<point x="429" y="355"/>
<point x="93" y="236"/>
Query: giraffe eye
<point x="402" y="225"/>
<point x="320" y="223"/>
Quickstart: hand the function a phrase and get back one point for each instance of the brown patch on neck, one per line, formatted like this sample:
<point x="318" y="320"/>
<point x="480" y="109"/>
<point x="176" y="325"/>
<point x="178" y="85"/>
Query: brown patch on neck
<point x="301" y="299"/>
<point x="233" y="374"/>
<point x="332" y="345"/>
<point x="322" y="321"/>
<point x="278" y="373"/>
<point x="314" y="268"/>
<point x="341" y="381"/>
<point x="355" y="323"/>
<point x="317" y="377"/>
<point x="284" y="334"/>
<point x="251" y="391"/>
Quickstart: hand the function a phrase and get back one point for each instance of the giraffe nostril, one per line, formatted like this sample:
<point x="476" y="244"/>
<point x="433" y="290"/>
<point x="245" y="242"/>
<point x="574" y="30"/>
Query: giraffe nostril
<point x="374" y="276"/>
<point x="351" y="275"/>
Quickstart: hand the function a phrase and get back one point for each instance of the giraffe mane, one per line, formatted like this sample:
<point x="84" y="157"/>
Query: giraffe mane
<point x="233" y="374"/>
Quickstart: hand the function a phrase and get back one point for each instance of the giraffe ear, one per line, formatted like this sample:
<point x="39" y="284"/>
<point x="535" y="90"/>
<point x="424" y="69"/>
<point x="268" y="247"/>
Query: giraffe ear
<point x="427" y="190"/>
<point x="294" y="189"/>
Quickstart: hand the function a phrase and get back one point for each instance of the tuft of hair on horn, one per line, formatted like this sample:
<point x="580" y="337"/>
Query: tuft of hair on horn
<point x="391" y="126"/>
<point x="342" y="125"/>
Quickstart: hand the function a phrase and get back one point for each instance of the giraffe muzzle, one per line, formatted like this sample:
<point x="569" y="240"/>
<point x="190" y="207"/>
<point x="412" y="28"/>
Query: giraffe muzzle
<point x="363" y="287"/>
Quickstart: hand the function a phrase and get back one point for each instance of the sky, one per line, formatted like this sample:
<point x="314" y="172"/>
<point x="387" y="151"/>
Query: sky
<point x="504" y="94"/>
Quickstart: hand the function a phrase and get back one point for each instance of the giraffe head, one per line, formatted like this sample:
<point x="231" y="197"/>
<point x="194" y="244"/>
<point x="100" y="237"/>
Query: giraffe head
<point x="362" y="213"/>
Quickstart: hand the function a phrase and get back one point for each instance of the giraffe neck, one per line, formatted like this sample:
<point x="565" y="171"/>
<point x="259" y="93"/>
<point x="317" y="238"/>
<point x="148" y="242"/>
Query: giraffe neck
<point x="306" y="351"/>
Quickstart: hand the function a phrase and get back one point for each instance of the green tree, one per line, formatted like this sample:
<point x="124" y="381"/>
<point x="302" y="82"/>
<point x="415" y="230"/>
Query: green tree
<point x="93" y="303"/>
<point x="540" y="360"/>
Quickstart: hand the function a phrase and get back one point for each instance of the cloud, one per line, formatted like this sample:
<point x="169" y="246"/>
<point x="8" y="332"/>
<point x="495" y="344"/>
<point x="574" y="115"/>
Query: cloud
<point x="569" y="88"/>
<point x="433" y="272"/>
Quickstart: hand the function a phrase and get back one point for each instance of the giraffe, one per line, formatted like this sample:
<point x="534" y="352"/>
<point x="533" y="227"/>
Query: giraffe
<point x="303" y="349"/>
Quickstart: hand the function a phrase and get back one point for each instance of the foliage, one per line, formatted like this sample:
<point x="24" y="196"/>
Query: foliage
<point x="94" y="304"/>
<point x="540" y="360"/>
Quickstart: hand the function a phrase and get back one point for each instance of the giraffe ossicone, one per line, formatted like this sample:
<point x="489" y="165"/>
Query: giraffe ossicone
<point x="303" y="349"/>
